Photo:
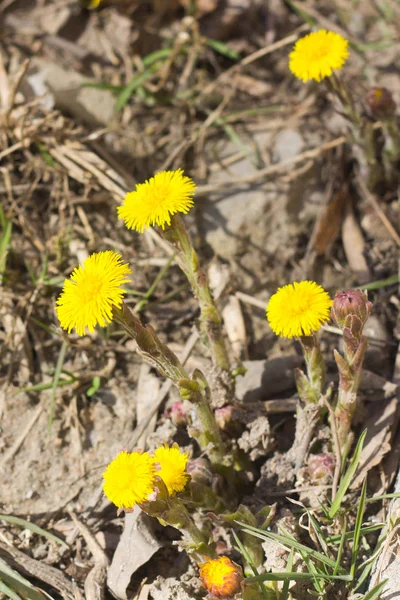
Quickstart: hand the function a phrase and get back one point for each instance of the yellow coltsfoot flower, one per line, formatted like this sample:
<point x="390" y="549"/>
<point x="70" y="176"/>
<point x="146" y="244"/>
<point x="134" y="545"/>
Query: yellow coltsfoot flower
<point x="171" y="468"/>
<point x="221" y="577"/>
<point x="129" y="479"/>
<point x="317" y="54"/>
<point x="156" y="200"/>
<point x="91" y="291"/>
<point x="298" y="309"/>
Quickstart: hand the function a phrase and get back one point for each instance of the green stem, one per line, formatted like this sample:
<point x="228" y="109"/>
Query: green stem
<point x="167" y="363"/>
<point x="210" y="319"/>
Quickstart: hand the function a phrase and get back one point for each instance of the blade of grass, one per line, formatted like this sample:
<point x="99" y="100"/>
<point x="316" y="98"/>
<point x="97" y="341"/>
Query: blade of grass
<point x="56" y="379"/>
<point x="293" y="576"/>
<point x="336" y="539"/>
<point x="19" y="584"/>
<point x="32" y="527"/>
<point x="341" y="547"/>
<point x="318" y="585"/>
<point x="347" y="478"/>
<point x="5" y="241"/>
<point x="289" y="566"/>
<point x="222" y="48"/>
<point x="288" y="542"/>
<point x="96" y="383"/>
<point x="380" y="283"/>
<point x="40" y="387"/>
<point x="376" y="591"/>
<point x="4" y="589"/>
<point x="357" y="528"/>
<point x="249" y="560"/>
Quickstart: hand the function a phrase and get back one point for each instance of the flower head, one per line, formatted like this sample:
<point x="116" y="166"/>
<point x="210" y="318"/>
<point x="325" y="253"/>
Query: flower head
<point x="129" y="479"/>
<point x="350" y="303"/>
<point x="315" y="55"/>
<point x="298" y="309"/>
<point x="154" y="201"/>
<point x="221" y="577"/>
<point x="381" y="103"/>
<point x="91" y="291"/>
<point x="171" y="464"/>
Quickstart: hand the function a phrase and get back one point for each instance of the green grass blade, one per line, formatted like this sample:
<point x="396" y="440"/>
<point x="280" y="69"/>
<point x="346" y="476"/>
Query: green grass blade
<point x="19" y="584"/>
<point x="293" y="576"/>
<point x="347" y="478"/>
<point x="340" y="549"/>
<point x="96" y="383"/>
<point x="5" y="241"/>
<point x="136" y="81"/>
<point x="56" y="379"/>
<point x="288" y="542"/>
<point x="4" y="589"/>
<point x="357" y="528"/>
<point x="336" y="539"/>
<point x="285" y="588"/>
<point x="380" y="283"/>
<point x="376" y="591"/>
<point x="32" y="527"/>
<point x="249" y="560"/>
<point x="223" y="49"/>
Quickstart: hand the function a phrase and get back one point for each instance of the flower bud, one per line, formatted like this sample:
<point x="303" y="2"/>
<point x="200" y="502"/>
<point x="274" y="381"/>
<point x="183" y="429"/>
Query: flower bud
<point x="321" y="466"/>
<point x="348" y="304"/>
<point x="380" y="103"/>
<point x="178" y="414"/>
<point x="199" y="470"/>
<point x="221" y="577"/>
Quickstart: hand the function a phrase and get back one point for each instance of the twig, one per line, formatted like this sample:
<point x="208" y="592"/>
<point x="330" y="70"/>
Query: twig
<point x="255" y="56"/>
<point x="19" y="441"/>
<point x="375" y="204"/>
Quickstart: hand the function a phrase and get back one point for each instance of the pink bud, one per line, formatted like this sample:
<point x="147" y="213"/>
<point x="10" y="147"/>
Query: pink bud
<point x="177" y="413"/>
<point x="321" y="466"/>
<point x="348" y="304"/>
<point x="380" y="103"/>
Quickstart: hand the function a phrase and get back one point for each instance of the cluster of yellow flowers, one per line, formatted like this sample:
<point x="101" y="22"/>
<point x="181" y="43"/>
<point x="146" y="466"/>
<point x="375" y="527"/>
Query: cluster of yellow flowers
<point x="95" y="288"/>
<point x="131" y="478"/>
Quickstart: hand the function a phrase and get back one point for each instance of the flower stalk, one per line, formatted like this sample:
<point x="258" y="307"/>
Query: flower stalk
<point x="210" y="320"/>
<point x="167" y="363"/>
<point x="350" y="312"/>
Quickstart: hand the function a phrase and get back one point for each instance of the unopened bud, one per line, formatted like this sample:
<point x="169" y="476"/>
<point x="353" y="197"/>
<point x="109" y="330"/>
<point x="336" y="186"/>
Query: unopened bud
<point x="348" y="304"/>
<point x="321" y="466"/>
<point x="221" y="577"/>
<point x="177" y="413"/>
<point x="380" y="103"/>
<point x="199" y="470"/>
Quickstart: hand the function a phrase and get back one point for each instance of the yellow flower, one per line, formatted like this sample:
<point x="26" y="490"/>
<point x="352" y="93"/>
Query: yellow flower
<point x="298" y="309"/>
<point x="154" y="201"/>
<point x="221" y="577"/>
<point x="92" y="290"/>
<point x="129" y="479"/>
<point x="172" y="468"/>
<point x="317" y="54"/>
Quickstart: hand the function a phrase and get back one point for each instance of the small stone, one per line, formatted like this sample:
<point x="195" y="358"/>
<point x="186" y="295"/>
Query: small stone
<point x="288" y="144"/>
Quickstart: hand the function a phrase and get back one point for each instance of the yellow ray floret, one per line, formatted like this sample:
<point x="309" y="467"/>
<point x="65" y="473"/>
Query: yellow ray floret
<point x="154" y="201"/>
<point x="298" y="309"/>
<point x="171" y="464"/>
<point x="316" y="55"/>
<point x="221" y="577"/>
<point x="129" y="479"/>
<point x="91" y="291"/>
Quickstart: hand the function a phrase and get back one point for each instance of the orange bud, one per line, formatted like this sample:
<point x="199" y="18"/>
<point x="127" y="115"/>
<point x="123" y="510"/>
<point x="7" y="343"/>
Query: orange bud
<point x="221" y="577"/>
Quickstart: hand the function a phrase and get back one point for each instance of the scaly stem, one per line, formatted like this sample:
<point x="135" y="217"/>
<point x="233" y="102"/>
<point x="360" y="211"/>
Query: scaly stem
<point x="211" y="324"/>
<point x="167" y="363"/>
